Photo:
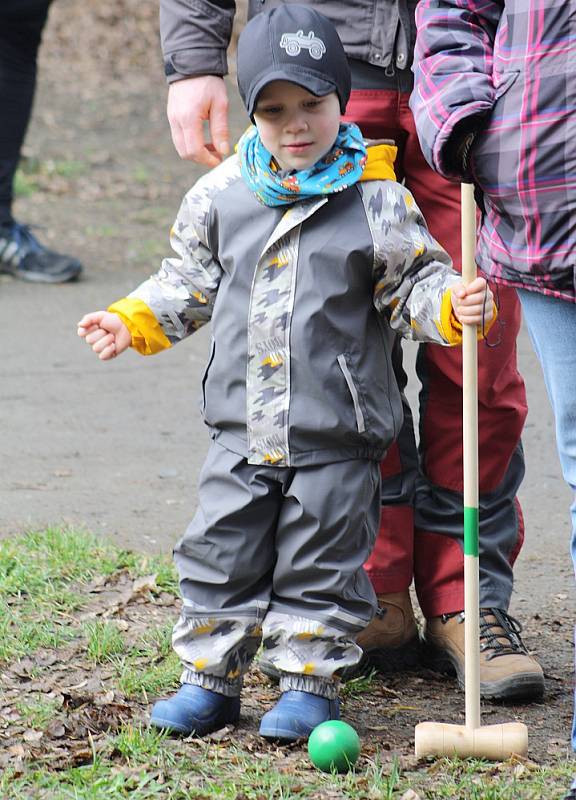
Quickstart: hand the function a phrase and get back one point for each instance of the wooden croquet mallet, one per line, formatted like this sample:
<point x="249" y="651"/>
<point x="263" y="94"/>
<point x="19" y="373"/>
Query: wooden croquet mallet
<point x="495" y="742"/>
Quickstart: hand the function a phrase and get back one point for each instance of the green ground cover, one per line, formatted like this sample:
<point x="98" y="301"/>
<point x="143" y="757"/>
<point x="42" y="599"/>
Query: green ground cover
<point x="84" y="649"/>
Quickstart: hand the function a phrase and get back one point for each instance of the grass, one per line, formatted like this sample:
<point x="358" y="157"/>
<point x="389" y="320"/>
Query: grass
<point x="46" y="580"/>
<point x="363" y="684"/>
<point x="145" y="768"/>
<point x="34" y="174"/>
<point x="140" y="683"/>
<point x="37" y="712"/>
<point x="104" y="641"/>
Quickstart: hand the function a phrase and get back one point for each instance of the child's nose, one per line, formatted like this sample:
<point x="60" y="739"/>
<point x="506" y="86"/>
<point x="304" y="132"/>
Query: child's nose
<point x="297" y="123"/>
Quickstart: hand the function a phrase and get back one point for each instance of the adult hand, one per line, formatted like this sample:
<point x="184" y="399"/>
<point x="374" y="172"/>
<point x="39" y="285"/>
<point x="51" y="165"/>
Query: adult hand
<point x="473" y="304"/>
<point x="191" y="101"/>
<point x="105" y="333"/>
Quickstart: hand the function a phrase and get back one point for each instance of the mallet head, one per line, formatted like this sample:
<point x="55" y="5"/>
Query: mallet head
<point x="493" y="742"/>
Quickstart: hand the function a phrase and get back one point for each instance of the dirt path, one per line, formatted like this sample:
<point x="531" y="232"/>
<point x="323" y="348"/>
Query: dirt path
<point x="117" y="448"/>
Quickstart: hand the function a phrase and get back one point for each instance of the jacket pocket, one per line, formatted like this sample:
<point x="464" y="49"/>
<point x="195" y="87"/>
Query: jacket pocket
<point x="205" y="376"/>
<point x="360" y="418"/>
<point x="486" y="167"/>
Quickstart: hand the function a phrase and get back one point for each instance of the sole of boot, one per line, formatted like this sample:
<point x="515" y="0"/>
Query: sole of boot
<point x="165" y="725"/>
<point x="184" y="730"/>
<point x="387" y="661"/>
<point x="527" y="687"/>
<point x="41" y="277"/>
<point x="280" y="735"/>
<point x="38" y="277"/>
<point x="521" y="686"/>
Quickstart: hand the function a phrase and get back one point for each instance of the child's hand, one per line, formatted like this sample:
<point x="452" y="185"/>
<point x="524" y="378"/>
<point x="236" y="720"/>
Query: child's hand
<point x="473" y="304"/>
<point x="106" y="333"/>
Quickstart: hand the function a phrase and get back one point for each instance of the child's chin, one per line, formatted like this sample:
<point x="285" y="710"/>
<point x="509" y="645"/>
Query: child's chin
<point x="300" y="163"/>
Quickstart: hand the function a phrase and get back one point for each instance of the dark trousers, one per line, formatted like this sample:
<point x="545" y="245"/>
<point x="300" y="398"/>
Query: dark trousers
<point x="21" y="26"/>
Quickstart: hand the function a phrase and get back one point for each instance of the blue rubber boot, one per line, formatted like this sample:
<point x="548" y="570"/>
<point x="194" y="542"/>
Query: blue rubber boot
<point x="296" y="714"/>
<point x="194" y="709"/>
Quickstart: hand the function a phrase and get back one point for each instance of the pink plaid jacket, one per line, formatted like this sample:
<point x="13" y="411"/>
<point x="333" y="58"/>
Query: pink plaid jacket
<point x="507" y="68"/>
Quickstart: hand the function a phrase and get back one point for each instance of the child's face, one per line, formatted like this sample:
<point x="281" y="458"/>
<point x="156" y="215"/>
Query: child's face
<point x="297" y="127"/>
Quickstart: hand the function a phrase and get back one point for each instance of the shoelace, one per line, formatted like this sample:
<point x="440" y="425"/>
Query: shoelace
<point x="503" y="626"/>
<point x="25" y="239"/>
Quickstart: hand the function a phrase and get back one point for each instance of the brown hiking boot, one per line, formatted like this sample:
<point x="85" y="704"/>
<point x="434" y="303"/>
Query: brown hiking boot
<point x="507" y="671"/>
<point x="391" y="642"/>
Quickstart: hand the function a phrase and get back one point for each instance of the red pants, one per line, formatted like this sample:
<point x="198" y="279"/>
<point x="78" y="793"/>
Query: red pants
<point x="421" y="527"/>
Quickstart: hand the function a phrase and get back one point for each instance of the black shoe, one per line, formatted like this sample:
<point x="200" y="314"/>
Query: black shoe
<point x="22" y="256"/>
<point x="572" y="793"/>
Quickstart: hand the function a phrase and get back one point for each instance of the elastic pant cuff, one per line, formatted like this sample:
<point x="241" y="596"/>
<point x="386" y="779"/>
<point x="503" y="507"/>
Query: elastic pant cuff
<point x="291" y="681"/>
<point x="212" y="682"/>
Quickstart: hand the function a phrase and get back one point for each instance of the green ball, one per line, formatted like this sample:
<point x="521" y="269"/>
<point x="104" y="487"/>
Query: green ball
<point x="334" y="746"/>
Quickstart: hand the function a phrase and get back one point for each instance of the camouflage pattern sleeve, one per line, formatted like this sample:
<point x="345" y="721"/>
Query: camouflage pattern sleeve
<point x="181" y="294"/>
<point x="412" y="272"/>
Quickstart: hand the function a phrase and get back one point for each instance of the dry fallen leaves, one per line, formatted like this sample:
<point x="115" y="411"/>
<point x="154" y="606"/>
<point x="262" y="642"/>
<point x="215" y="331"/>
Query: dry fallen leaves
<point x="410" y="794"/>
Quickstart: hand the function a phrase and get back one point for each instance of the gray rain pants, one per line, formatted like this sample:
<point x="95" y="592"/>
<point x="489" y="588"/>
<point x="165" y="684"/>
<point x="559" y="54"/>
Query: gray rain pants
<point x="276" y="553"/>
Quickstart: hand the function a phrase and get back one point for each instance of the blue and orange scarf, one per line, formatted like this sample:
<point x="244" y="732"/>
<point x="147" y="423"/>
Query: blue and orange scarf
<point x="340" y="168"/>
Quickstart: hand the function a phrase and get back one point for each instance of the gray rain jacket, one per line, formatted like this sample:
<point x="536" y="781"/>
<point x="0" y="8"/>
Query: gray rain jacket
<point x="304" y="301"/>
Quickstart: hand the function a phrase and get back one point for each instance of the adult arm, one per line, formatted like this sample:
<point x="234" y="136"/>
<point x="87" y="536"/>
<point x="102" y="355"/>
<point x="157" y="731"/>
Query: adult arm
<point x="195" y="35"/>
<point x="454" y="88"/>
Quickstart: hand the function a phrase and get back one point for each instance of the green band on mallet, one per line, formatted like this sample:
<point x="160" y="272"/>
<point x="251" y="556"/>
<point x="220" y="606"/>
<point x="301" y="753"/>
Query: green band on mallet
<point x="470" y="531"/>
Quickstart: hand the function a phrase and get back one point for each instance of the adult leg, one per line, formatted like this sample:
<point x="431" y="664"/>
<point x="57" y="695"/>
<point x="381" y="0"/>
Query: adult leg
<point x="391" y="641"/>
<point x="506" y="669"/>
<point x="21" y="26"/>
<point x="552" y="327"/>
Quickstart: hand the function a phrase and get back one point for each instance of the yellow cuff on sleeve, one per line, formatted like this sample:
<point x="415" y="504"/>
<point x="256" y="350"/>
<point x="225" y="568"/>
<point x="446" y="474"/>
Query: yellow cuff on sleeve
<point x="449" y="326"/>
<point x="147" y="335"/>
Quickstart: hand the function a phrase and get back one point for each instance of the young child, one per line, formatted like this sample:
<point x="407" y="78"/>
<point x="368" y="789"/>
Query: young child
<point x="307" y="257"/>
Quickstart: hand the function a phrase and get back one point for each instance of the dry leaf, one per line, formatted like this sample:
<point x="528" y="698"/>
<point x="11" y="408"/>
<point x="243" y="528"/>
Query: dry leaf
<point x="32" y="735"/>
<point x="104" y="699"/>
<point x="56" y="729"/>
<point x="145" y="583"/>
